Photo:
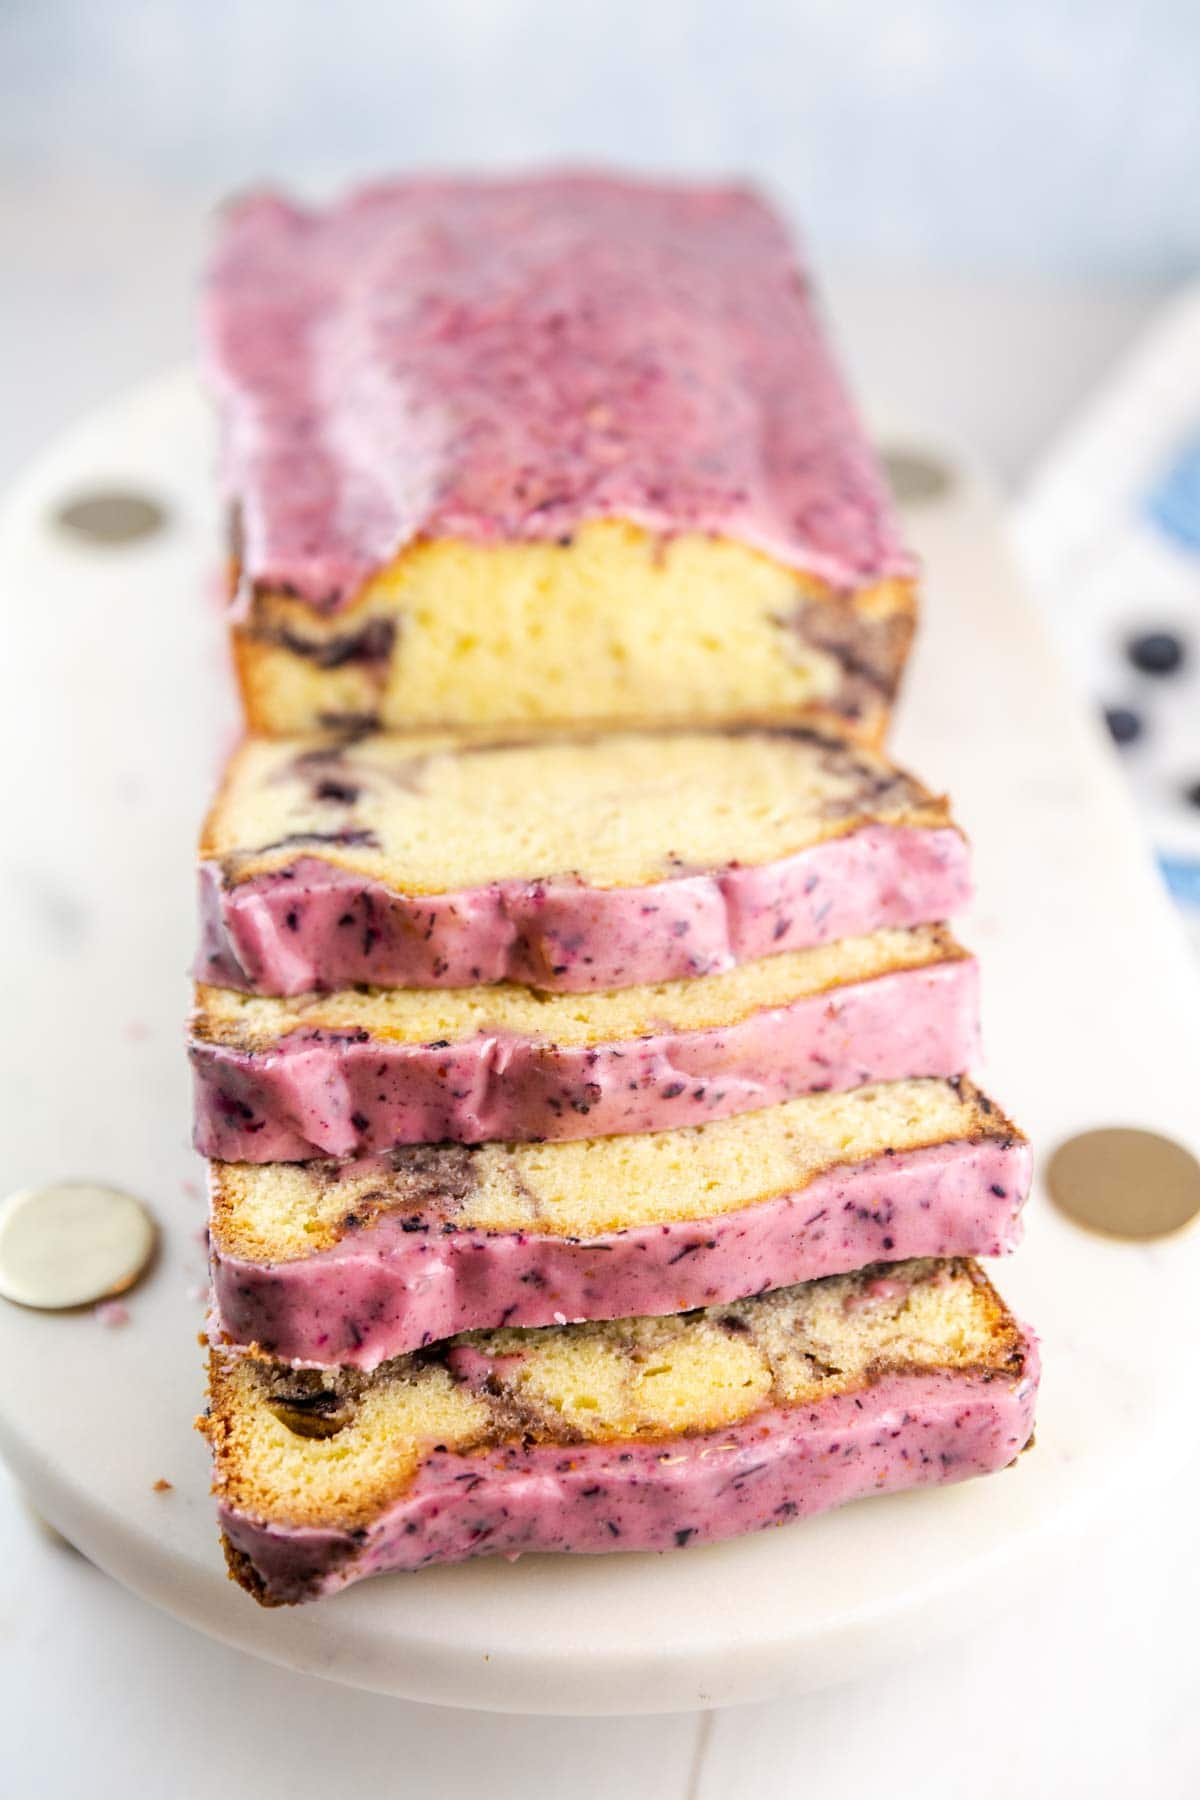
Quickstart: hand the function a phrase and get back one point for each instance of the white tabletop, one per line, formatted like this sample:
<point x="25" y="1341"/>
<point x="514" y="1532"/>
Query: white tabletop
<point x="1092" y="1694"/>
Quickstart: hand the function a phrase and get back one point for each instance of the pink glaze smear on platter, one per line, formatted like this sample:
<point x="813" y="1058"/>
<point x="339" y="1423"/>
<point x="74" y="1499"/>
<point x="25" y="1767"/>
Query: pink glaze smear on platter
<point x="403" y="1282"/>
<point x="500" y="361"/>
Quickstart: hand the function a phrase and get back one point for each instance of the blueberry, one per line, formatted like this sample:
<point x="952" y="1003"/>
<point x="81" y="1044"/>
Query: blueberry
<point x="1155" y="652"/>
<point x="1124" y="725"/>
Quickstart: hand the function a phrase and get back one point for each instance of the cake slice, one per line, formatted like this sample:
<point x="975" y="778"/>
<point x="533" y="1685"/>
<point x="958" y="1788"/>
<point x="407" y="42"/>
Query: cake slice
<point x="638" y="1434"/>
<point x="353" y="1263"/>
<point x="281" y="1080"/>
<point x="578" y="863"/>
<point x="535" y="451"/>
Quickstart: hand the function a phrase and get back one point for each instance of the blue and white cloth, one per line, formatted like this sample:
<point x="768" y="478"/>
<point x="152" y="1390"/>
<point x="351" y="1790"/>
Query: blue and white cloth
<point x="1108" y="534"/>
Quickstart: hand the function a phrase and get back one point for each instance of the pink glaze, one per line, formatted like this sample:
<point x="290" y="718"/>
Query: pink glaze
<point x="902" y="1431"/>
<point x="411" y="1278"/>
<point x="314" y="925"/>
<point x="881" y="1289"/>
<point x="323" y="1093"/>
<point x="505" y="360"/>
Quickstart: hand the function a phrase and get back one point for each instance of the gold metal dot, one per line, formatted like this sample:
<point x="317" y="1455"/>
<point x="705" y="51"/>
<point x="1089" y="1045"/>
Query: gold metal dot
<point x="917" y="479"/>
<point x="1125" y="1183"/>
<point x="72" y="1243"/>
<point x="112" y="518"/>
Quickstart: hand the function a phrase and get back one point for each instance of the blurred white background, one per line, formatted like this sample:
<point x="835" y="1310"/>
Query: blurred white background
<point x="1060" y="136"/>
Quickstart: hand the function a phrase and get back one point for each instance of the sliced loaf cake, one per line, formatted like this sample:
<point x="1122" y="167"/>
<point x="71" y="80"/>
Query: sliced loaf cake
<point x="280" y="1080"/>
<point x="324" y="1263"/>
<point x="639" y="1434"/>
<point x="579" y="863"/>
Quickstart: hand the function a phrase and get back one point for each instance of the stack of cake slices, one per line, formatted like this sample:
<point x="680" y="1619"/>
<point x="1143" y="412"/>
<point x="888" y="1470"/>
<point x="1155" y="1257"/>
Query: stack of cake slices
<point x="581" y="1052"/>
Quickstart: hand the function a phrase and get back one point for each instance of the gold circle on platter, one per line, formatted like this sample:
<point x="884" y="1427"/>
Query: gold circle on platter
<point x="1125" y="1183"/>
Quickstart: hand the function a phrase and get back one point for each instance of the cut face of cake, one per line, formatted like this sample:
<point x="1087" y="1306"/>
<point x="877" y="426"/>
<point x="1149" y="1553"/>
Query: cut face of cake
<point x="637" y="1434"/>
<point x="536" y="451"/>
<point x="353" y="1263"/>
<point x="575" y="864"/>
<point x="347" y="1073"/>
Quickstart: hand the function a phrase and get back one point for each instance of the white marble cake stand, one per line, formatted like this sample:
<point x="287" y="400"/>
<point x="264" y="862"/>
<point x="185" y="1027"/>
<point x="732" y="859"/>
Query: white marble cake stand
<point x="116" y="709"/>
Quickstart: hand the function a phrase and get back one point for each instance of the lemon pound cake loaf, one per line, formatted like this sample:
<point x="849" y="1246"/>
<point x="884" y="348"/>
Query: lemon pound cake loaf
<point x="353" y="1263"/>
<point x="578" y="863"/>
<point x="541" y="451"/>
<point x="640" y="1434"/>
<point x="279" y="1080"/>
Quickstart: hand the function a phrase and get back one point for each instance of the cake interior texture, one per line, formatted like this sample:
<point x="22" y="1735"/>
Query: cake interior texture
<point x="624" y="810"/>
<point x="619" y="625"/>
<point x="334" y="1448"/>
<point x="584" y="1188"/>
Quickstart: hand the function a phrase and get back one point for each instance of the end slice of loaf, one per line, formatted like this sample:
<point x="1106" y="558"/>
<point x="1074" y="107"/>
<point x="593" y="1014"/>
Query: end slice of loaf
<point x="353" y="1263"/>
<point x="638" y="1434"/>
<point x="575" y="864"/>
<point x="496" y="454"/>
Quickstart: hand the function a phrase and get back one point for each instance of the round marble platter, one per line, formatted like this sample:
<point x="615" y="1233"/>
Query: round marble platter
<point x="117" y="710"/>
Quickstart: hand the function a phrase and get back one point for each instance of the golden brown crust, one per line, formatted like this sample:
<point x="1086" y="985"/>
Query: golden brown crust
<point x="242" y="1571"/>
